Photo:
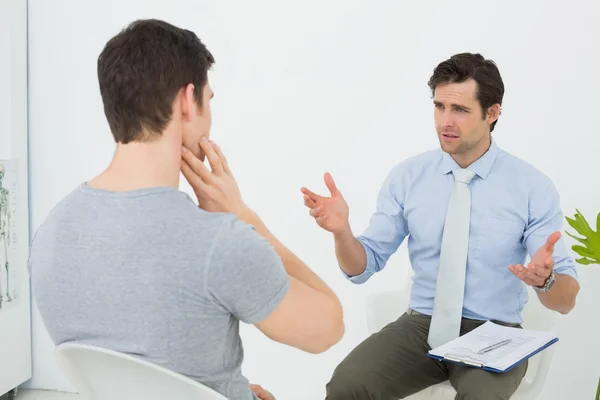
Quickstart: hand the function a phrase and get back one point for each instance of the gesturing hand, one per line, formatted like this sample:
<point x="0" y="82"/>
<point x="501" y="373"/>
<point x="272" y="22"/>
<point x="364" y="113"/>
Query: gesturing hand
<point x="541" y="265"/>
<point x="216" y="190"/>
<point x="331" y="213"/>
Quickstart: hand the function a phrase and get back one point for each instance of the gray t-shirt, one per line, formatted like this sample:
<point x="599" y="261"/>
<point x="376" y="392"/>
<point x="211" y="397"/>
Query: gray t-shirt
<point x="148" y="273"/>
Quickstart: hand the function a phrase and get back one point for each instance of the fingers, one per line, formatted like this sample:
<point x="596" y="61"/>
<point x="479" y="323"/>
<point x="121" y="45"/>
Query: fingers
<point x="534" y="275"/>
<point x="316" y="212"/>
<point x="221" y="157"/>
<point x="260" y="392"/>
<point x="313" y="196"/>
<point x="517" y="270"/>
<point x="330" y="184"/>
<point x="195" y="166"/>
<point x="527" y="275"/>
<point x="552" y="239"/>
<point x="539" y="274"/>
<point x="308" y="202"/>
<point x="545" y="267"/>
<point x="194" y="178"/>
<point x="213" y="158"/>
<point x="547" y="264"/>
<point x="321" y="219"/>
<point x="256" y="387"/>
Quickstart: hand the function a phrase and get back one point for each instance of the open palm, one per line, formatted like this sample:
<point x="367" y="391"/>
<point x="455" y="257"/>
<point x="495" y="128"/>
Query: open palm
<point x="541" y="264"/>
<point x="331" y="213"/>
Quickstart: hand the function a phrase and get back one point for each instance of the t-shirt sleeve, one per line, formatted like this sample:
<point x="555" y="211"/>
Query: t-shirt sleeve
<point x="246" y="275"/>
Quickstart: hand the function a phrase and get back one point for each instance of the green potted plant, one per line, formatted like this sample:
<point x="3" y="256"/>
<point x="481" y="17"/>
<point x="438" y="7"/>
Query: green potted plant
<point x="588" y="249"/>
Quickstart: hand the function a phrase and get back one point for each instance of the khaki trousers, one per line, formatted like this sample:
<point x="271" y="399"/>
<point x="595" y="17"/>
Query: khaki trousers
<point x="393" y="364"/>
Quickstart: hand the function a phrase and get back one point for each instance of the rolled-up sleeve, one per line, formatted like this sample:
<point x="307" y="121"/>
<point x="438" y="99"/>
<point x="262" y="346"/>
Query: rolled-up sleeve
<point x="545" y="218"/>
<point x="387" y="228"/>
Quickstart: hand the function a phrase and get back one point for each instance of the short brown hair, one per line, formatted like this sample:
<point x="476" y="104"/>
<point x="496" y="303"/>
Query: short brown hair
<point x="464" y="66"/>
<point x="140" y="71"/>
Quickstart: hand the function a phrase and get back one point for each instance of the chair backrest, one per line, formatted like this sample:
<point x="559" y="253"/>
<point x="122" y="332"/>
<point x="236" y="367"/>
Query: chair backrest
<point x="537" y="317"/>
<point x="101" y="374"/>
<point x="385" y="307"/>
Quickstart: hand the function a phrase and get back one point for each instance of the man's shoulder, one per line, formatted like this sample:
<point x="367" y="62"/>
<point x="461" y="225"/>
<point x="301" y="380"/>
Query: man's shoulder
<point x="168" y="211"/>
<point x="232" y="231"/>
<point x="425" y="157"/>
<point x="416" y="164"/>
<point x="528" y="174"/>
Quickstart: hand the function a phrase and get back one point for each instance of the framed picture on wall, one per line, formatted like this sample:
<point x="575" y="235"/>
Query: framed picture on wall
<point x="9" y="288"/>
<point x="15" y="305"/>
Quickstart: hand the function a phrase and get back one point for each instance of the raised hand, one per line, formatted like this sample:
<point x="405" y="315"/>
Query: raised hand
<point x="331" y="213"/>
<point x="216" y="190"/>
<point x="541" y="265"/>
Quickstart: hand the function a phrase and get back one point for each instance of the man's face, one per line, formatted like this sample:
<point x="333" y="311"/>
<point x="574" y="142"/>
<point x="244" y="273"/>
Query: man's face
<point x="199" y="125"/>
<point x="459" y="120"/>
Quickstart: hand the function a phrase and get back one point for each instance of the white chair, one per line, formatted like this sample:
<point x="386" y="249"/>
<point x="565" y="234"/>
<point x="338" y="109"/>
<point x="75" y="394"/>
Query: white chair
<point x="388" y="306"/>
<point x="100" y="374"/>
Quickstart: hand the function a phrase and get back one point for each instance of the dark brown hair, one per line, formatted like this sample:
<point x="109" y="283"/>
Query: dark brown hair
<point x="140" y="71"/>
<point x="464" y="66"/>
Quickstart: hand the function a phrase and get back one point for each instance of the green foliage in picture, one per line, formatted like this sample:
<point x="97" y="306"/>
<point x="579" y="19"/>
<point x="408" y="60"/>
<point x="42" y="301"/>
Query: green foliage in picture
<point x="589" y="250"/>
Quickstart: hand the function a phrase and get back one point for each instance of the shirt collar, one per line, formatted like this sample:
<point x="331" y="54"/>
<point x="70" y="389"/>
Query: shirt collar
<point x="481" y="167"/>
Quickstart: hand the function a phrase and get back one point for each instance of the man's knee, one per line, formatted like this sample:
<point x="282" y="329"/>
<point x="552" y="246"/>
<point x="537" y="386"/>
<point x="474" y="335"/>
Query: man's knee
<point x="483" y="385"/>
<point x="481" y="393"/>
<point x="348" y="385"/>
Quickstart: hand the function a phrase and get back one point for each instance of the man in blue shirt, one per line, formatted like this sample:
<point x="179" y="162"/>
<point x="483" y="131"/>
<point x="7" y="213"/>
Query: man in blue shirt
<point x="508" y="210"/>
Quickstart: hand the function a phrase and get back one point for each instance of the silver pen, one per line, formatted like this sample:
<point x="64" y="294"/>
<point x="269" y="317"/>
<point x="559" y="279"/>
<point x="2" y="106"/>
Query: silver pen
<point x="494" y="346"/>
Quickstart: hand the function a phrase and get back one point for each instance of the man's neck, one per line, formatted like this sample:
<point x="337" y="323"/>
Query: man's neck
<point x="464" y="160"/>
<point x="140" y="166"/>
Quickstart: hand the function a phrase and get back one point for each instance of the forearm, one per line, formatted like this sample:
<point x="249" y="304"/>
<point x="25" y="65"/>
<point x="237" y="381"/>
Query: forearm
<point x="562" y="296"/>
<point x="293" y="265"/>
<point x="350" y="253"/>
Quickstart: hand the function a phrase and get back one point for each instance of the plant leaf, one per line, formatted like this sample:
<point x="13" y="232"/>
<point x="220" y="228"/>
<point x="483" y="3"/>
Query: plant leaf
<point x="586" y="229"/>
<point x="594" y="247"/>
<point x="574" y="224"/>
<point x="586" y="261"/>
<point x="580" y="240"/>
<point x="584" y="251"/>
<point x="590" y="251"/>
<point x="598" y="229"/>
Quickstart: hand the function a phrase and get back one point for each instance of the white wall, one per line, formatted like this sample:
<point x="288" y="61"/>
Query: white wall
<point x="15" y="316"/>
<point x="340" y="86"/>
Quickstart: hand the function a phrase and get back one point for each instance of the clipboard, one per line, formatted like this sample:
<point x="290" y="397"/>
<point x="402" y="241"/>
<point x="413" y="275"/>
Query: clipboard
<point x="466" y="349"/>
<point x="481" y="365"/>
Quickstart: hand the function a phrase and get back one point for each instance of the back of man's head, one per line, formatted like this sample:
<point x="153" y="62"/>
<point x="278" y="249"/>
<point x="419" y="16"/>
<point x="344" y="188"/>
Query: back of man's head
<point x="141" y="70"/>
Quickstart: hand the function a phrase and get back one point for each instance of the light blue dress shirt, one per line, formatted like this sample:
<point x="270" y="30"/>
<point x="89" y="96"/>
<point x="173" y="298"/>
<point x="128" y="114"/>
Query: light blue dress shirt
<point x="514" y="209"/>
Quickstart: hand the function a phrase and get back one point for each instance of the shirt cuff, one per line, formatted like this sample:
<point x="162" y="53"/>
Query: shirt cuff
<point x="571" y="271"/>
<point x="368" y="272"/>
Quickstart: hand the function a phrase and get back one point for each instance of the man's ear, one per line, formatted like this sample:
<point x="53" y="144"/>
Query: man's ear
<point x="188" y="102"/>
<point x="493" y="113"/>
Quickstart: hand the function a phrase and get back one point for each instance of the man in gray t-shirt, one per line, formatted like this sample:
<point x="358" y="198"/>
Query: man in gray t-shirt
<point x="130" y="263"/>
<point x="147" y="272"/>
